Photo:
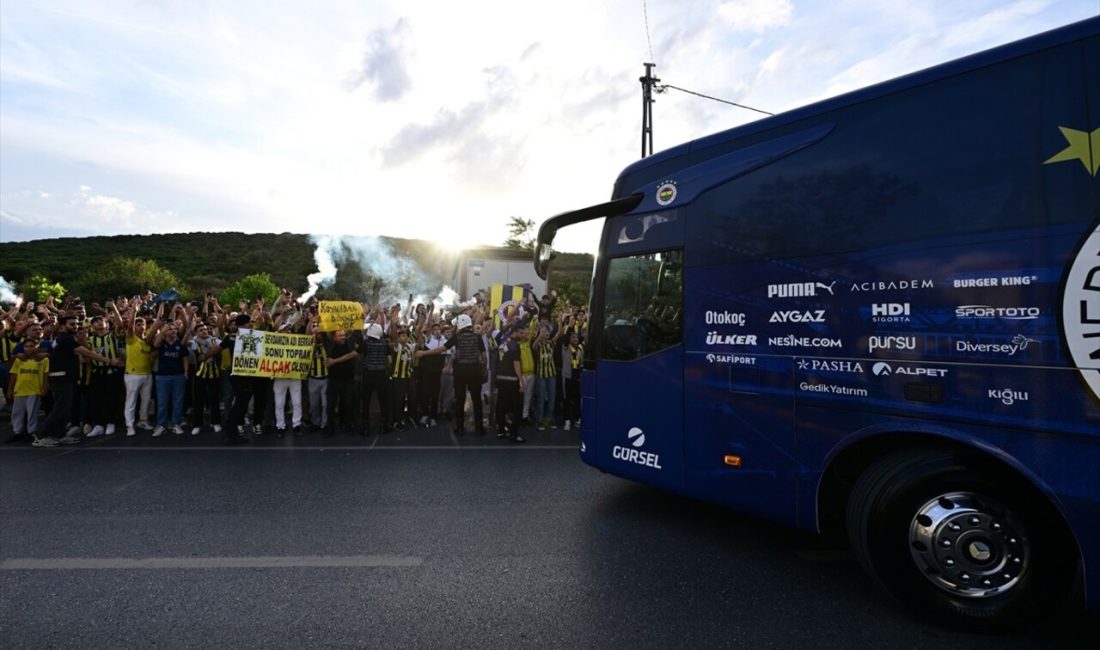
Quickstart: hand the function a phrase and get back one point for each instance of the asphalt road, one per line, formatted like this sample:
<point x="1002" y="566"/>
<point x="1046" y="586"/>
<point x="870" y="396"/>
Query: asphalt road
<point x="419" y="540"/>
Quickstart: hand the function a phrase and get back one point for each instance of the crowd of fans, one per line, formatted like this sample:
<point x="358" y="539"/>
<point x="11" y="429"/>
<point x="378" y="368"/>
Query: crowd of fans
<point x="76" y="371"/>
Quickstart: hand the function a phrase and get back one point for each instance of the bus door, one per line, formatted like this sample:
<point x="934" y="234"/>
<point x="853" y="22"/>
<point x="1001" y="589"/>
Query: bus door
<point x="739" y="413"/>
<point x="636" y="390"/>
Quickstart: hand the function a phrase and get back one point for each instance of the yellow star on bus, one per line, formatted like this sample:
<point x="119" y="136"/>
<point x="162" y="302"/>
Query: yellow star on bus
<point x="1080" y="148"/>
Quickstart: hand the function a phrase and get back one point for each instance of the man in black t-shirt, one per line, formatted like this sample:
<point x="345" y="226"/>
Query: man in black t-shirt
<point x="470" y="365"/>
<point x="243" y="387"/>
<point x="510" y="386"/>
<point x="341" y="354"/>
<point x="377" y="358"/>
<point x="64" y="366"/>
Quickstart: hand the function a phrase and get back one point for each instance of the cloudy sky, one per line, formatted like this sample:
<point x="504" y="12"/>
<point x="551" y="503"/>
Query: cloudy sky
<point x="435" y="120"/>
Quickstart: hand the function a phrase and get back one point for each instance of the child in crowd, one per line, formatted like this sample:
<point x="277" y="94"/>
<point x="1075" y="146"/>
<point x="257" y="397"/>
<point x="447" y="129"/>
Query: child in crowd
<point x="26" y="388"/>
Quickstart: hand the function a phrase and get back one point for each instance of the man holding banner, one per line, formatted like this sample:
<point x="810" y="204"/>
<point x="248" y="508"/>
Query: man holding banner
<point x="242" y="385"/>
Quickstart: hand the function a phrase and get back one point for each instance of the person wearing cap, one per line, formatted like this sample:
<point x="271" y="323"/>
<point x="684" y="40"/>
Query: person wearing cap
<point x="377" y="358"/>
<point x="470" y="366"/>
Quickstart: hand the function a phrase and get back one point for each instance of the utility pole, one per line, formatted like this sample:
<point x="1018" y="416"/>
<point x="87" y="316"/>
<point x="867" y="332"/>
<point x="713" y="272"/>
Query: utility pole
<point x="648" y="82"/>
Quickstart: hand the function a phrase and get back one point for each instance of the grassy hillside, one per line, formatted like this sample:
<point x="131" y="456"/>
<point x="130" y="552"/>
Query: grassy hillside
<point x="207" y="261"/>
<point x="200" y="259"/>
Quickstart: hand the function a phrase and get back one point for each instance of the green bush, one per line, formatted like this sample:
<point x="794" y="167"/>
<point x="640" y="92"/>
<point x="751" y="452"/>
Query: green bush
<point x="127" y="276"/>
<point x="248" y="288"/>
<point x="38" y="288"/>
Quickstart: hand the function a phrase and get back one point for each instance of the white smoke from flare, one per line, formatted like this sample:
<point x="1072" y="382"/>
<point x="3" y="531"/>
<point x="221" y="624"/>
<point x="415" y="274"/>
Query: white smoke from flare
<point x="401" y="275"/>
<point x="326" y="267"/>
<point x="7" y="293"/>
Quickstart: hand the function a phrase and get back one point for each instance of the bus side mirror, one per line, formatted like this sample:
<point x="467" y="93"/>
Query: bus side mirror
<point x="543" y="255"/>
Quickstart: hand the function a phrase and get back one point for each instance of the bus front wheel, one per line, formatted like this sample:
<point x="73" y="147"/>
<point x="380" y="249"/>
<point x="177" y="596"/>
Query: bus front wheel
<point x="963" y="543"/>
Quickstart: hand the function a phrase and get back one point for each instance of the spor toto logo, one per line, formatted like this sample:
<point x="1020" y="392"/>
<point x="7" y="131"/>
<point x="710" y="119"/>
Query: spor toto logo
<point x="1081" y="311"/>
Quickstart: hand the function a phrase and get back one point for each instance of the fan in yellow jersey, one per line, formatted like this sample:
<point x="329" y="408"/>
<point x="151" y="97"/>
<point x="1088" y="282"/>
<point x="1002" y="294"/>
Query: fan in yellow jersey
<point x="139" y="375"/>
<point x="25" y="390"/>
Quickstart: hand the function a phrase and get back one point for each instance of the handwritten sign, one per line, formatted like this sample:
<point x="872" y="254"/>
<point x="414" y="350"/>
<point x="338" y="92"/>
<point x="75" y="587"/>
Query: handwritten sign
<point x="340" y="315"/>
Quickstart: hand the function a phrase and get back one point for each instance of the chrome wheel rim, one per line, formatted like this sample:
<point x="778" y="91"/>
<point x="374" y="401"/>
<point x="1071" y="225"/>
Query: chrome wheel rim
<point x="968" y="545"/>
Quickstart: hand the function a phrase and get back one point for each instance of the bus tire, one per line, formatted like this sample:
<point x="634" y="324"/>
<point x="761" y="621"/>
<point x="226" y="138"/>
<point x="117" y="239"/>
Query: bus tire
<point x="962" y="543"/>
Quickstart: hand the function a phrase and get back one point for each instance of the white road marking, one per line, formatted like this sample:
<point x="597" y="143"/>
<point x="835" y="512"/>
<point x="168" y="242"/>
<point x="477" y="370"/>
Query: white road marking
<point x="259" y="562"/>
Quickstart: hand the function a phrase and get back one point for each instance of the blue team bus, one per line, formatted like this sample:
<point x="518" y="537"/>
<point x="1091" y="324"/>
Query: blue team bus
<point x="878" y="314"/>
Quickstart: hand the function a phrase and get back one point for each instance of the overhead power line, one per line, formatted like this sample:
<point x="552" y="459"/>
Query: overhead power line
<point x="665" y="87"/>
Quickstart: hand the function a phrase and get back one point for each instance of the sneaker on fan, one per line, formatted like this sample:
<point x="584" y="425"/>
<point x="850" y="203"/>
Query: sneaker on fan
<point x="44" y="442"/>
<point x="217" y="428"/>
<point x="144" y="425"/>
<point x="567" y="425"/>
<point x="130" y="432"/>
<point x="69" y="440"/>
<point x="423" y="420"/>
<point x="110" y="430"/>
<point x="159" y="431"/>
<point x="73" y="430"/>
<point x="195" y="431"/>
<point x="87" y="428"/>
<point x="96" y="431"/>
<point x="177" y="429"/>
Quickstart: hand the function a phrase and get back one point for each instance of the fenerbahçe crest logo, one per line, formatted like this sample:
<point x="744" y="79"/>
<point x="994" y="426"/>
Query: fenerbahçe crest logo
<point x="1081" y="311"/>
<point x="666" y="192"/>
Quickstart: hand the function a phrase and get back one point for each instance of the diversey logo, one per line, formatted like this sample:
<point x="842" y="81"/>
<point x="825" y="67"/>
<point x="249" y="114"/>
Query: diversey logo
<point x="1019" y="342"/>
<point x="799" y="289"/>
<point x="815" y="316"/>
<point x="632" y="454"/>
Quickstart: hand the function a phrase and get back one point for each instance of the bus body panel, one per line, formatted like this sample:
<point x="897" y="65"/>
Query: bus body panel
<point x="927" y="263"/>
